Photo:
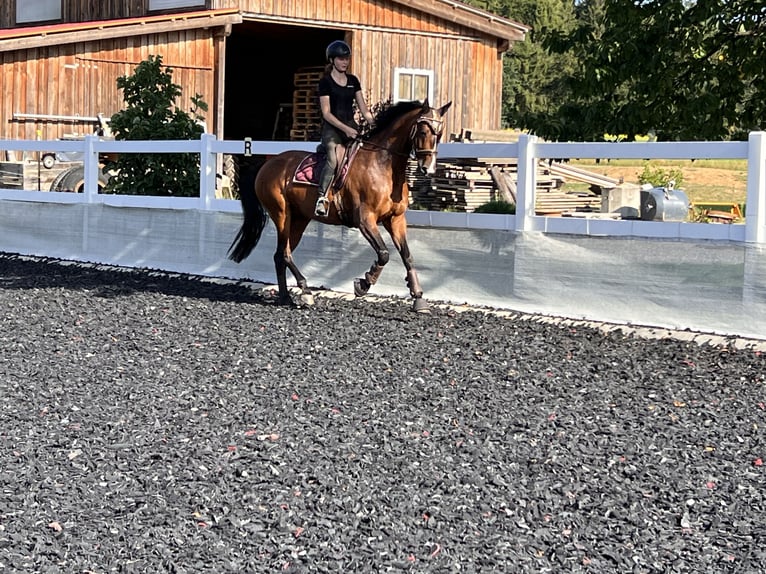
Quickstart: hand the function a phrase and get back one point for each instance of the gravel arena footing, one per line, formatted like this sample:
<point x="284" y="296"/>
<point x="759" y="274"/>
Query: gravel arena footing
<point x="157" y="423"/>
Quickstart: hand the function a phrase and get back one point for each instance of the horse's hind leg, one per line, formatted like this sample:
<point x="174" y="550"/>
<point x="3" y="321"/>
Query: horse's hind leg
<point x="296" y="232"/>
<point x="280" y="266"/>
<point x="397" y="228"/>
<point x="283" y="259"/>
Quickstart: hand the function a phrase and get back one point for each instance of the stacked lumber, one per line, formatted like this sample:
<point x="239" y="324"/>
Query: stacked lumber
<point x="594" y="179"/>
<point x="418" y="183"/>
<point x="459" y="185"/>
<point x="474" y="135"/>
<point x="465" y="184"/>
<point x="555" y="202"/>
<point x="307" y="118"/>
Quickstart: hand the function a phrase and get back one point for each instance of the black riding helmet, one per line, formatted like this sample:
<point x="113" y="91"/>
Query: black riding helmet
<point x="337" y="49"/>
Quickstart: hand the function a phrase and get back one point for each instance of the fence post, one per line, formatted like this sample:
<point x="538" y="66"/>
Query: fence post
<point x="90" y="168"/>
<point x="525" y="182"/>
<point x="755" y="206"/>
<point x="206" y="172"/>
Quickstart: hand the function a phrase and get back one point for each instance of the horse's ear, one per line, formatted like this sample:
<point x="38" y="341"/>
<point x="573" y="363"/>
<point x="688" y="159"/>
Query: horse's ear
<point x="426" y="105"/>
<point x="443" y="110"/>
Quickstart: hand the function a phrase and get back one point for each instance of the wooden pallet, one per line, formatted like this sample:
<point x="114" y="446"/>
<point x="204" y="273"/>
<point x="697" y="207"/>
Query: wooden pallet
<point x="308" y="78"/>
<point x="307" y="118"/>
<point x="305" y="95"/>
<point x="304" y="135"/>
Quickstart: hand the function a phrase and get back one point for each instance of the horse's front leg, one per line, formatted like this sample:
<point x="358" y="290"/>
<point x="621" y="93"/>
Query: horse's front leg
<point x="370" y="232"/>
<point x="397" y="228"/>
<point x="280" y="266"/>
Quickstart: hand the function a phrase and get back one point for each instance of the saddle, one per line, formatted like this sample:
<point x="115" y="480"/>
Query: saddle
<point x="310" y="168"/>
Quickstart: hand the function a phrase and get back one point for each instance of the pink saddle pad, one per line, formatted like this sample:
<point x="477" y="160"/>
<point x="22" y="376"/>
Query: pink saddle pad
<point x="310" y="168"/>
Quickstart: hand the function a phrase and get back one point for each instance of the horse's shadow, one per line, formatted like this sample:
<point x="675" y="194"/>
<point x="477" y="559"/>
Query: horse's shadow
<point x="107" y="281"/>
<point x="20" y="272"/>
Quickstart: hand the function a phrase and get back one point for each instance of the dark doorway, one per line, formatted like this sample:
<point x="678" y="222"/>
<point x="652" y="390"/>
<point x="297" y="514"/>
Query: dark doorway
<point x="261" y="62"/>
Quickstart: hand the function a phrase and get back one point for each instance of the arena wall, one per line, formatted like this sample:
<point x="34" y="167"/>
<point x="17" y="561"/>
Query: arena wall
<point x="699" y="277"/>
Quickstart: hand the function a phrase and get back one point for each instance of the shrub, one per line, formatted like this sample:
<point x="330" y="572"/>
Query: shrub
<point x="659" y="177"/>
<point x="497" y="206"/>
<point x="151" y="113"/>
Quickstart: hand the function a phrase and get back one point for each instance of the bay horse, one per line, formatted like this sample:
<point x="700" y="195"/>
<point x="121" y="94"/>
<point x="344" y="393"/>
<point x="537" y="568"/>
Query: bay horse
<point x="373" y="192"/>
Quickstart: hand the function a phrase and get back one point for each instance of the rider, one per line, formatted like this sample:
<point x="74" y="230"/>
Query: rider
<point x="338" y="90"/>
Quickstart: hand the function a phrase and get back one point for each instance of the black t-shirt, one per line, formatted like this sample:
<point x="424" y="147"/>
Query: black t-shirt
<point x="341" y="97"/>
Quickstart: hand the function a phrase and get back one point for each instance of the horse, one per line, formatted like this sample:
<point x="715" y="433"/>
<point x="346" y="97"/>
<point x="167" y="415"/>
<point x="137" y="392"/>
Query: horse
<point x="373" y="191"/>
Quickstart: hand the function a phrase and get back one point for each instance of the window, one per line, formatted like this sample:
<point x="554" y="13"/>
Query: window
<point x="169" y="4"/>
<point x="411" y="84"/>
<point x="37" y="10"/>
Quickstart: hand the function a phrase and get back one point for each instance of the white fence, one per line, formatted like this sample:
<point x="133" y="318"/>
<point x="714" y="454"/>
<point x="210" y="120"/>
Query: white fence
<point x="698" y="276"/>
<point x="528" y="150"/>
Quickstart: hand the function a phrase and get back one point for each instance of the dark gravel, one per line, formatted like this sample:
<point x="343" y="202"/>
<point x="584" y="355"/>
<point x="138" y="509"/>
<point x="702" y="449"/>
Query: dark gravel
<point x="156" y="423"/>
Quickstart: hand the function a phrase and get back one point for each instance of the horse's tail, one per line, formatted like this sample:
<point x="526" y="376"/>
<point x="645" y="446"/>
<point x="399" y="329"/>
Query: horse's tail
<point x="254" y="223"/>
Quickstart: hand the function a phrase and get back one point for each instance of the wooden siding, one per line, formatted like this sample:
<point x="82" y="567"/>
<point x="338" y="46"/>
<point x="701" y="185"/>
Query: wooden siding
<point x="369" y="13"/>
<point x="449" y="13"/>
<point x="86" y="10"/>
<point x="80" y="79"/>
<point x="383" y="36"/>
<point x="468" y="73"/>
<point x="438" y="15"/>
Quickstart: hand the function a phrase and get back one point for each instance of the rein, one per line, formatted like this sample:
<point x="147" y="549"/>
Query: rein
<point x="434" y="124"/>
<point x="367" y="145"/>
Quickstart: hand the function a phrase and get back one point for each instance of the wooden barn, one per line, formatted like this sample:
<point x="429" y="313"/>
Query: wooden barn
<point x="255" y="62"/>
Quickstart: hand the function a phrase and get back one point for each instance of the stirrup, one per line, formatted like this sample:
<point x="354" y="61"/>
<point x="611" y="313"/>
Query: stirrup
<point x="321" y="207"/>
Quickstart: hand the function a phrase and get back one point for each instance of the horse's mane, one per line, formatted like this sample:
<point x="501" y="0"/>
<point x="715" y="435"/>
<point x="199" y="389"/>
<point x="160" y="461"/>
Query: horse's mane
<point x="387" y="116"/>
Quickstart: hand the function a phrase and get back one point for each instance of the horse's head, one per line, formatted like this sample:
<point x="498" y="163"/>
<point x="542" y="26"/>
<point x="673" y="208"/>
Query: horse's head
<point x="426" y="133"/>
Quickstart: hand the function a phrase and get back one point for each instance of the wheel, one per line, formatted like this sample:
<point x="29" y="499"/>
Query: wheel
<point x="73" y="180"/>
<point x="648" y="206"/>
<point x="49" y="160"/>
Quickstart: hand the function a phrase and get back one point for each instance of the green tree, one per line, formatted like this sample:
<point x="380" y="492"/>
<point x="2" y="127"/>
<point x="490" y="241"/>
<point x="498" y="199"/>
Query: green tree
<point x="534" y="77"/>
<point x="681" y="70"/>
<point x="151" y="113"/>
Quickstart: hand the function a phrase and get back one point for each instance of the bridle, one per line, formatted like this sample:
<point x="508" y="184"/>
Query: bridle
<point x="435" y="125"/>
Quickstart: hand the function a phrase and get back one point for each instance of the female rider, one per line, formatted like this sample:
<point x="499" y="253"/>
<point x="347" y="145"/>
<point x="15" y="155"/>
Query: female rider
<point x="338" y="91"/>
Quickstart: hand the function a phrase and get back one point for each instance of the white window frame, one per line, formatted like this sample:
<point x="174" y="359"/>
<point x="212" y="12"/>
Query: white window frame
<point x="399" y="72"/>
<point x="171" y="4"/>
<point x="28" y="11"/>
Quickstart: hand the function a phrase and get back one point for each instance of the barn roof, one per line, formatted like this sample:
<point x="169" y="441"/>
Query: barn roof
<point x="476" y="18"/>
<point x="505" y="30"/>
<point x="55" y="34"/>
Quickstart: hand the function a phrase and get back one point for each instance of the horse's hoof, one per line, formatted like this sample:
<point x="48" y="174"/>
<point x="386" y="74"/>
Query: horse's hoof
<point x="307" y="299"/>
<point x="420" y="305"/>
<point x="361" y="287"/>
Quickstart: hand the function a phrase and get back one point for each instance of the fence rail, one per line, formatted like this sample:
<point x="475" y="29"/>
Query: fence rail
<point x="528" y="150"/>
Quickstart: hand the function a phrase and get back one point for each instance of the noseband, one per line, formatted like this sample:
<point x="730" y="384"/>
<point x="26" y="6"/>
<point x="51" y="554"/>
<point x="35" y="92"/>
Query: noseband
<point x="435" y="125"/>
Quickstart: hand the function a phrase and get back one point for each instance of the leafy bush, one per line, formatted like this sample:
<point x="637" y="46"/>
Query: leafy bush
<point x="151" y="114"/>
<point x="497" y="206"/>
<point x="659" y="177"/>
